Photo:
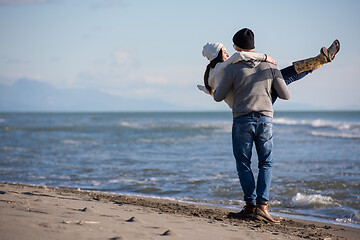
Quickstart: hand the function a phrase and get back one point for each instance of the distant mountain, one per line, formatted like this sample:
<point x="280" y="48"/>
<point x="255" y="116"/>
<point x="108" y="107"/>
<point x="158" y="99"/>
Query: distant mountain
<point x="30" y="95"/>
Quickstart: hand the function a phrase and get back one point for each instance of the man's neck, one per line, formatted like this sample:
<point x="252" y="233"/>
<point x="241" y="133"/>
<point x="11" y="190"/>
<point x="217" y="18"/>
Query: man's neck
<point x="247" y="50"/>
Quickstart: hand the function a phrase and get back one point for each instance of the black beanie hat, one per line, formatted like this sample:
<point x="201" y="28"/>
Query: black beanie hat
<point x="244" y="39"/>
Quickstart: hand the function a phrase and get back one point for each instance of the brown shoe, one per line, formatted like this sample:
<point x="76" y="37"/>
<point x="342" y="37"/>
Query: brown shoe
<point x="246" y="212"/>
<point x="262" y="213"/>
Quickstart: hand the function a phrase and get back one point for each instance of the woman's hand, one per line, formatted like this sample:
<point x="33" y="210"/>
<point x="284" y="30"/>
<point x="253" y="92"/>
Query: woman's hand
<point x="270" y="60"/>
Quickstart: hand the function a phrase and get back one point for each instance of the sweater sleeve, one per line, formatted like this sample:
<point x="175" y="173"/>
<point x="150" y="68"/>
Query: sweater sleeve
<point x="280" y="85"/>
<point x="225" y="86"/>
<point x="247" y="56"/>
<point x="240" y="56"/>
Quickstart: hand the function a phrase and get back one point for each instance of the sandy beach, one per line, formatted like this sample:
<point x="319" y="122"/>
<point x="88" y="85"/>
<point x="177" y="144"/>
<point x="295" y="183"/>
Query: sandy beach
<point x="36" y="212"/>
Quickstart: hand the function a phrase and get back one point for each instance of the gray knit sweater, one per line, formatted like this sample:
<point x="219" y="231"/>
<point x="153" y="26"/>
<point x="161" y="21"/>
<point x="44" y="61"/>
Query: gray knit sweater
<point x="251" y="82"/>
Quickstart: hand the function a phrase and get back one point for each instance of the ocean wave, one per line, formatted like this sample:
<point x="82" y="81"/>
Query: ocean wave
<point x="313" y="201"/>
<point x="127" y="124"/>
<point x="12" y="149"/>
<point x="325" y="128"/>
<point x="286" y="121"/>
<point x="346" y="220"/>
<point x="172" y="140"/>
<point x="148" y="190"/>
<point x="6" y="129"/>
<point x="180" y="126"/>
<point x="335" y="135"/>
<point x="71" y="142"/>
<point x="78" y="142"/>
<point x="135" y="181"/>
<point x="216" y="126"/>
<point x="319" y="123"/>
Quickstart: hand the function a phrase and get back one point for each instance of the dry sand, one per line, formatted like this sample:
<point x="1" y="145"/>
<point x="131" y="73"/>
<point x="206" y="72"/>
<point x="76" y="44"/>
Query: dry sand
<point x="34" y="212"/>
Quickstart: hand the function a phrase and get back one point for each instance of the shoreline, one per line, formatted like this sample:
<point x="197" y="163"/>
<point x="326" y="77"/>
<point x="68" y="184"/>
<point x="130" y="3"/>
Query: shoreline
<point x="229" y="208"/>
<point x="38" y="212"/>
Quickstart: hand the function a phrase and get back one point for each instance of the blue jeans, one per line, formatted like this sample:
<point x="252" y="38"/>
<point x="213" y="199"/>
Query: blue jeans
<point x="246" y="131"/>
<point x="289" y="74"/>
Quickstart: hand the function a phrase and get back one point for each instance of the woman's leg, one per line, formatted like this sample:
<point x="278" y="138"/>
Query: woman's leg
<point x="300" y="69"/>
<point x="290" y="75"/>
<point x="325" y="56"/>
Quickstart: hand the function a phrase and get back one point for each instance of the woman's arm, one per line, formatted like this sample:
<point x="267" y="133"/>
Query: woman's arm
<point x="248" y="56"/>
<point x="241" y="56"/>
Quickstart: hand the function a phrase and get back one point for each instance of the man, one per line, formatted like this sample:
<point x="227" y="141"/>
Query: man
<point x="252" y="123"/>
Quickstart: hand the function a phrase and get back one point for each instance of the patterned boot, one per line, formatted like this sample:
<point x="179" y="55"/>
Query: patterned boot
<point x="311" y="64"/>
<point x="325" y="56"/>
<point x="332" y="50"/>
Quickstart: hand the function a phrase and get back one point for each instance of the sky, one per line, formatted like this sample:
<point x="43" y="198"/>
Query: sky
<point x="151" y="50"/>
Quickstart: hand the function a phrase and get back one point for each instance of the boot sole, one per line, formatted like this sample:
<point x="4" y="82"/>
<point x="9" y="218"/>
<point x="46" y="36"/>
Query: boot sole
<point x="325" y="53"/>
<point x="338" y="49"/>
<point x="234" y="215"/>
<point x="260" y="218"/>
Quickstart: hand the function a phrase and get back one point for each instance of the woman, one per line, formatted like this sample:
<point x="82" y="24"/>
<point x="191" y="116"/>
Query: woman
<point x="219" y="58"/>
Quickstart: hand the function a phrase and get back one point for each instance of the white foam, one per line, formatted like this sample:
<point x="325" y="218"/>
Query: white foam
<point x="71" y="142"/>
<point x="275" y="203"/>
<point x="95" y="183"/>
<point x="286" y="121"/>
<point x="78" y="142"/>
<point x="172" y="140"/>
<point x="318" y="123"/>
<point x="335" y="135"/>
<point x="129" y="124"/>
<point x="216" y="126"/>
<point x="5" y="148"/>
<point x="324" y="128"/>
<point x="114" y="181"/>
<point x="13" y="149"/>
<point x="346" y="220"/>
<point x="314" y="200"/>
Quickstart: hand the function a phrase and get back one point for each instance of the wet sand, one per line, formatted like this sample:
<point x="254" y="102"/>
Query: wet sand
<point x="35" y="212"/>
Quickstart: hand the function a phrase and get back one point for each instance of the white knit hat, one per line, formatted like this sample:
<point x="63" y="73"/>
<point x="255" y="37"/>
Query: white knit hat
<point x="211" y="50"/>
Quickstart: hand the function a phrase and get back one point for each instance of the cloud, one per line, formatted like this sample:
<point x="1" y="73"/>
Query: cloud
<point x="144" y="92"/>
<point x="123" y="58"/>
<point x="16" y="61"/>
<point x="125" y="62"/>
<point x="26" y="2"/>
<point x="156" y="79"/>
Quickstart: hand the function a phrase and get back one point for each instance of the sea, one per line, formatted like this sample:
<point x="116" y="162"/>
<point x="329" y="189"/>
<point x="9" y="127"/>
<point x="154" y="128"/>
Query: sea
<point x="187" y="156"/>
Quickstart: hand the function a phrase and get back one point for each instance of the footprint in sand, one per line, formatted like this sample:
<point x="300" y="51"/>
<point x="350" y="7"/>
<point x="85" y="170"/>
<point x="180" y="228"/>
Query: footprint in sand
<point x="132" y="219"/>
<point x="45" y="225"/>
<point x="116" y="238"/>
<point x="167" y="233"/>
<point x="85" y="209"/>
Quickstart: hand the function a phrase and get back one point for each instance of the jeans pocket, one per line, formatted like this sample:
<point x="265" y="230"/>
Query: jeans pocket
<point x="243" y="131"/>
<point x="266" y="131"/>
